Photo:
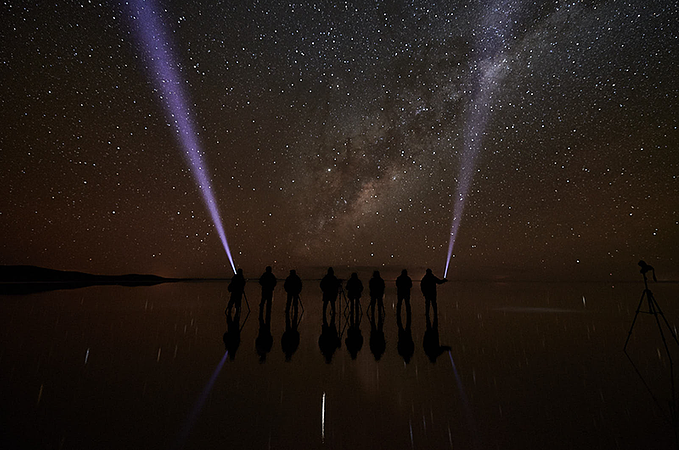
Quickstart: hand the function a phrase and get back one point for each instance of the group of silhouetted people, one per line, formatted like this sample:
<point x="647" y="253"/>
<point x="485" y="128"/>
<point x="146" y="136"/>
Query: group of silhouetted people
<point x="332" y="288"/>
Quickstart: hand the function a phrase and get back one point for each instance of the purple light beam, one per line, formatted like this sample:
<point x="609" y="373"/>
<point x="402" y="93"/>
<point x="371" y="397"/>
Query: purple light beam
<point x="198" y="406"/>
<point x="155" y="45"/>
<point x="488" y="71"/>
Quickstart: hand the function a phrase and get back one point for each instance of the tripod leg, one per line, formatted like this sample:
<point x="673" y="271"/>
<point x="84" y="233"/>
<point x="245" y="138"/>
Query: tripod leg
<point x="659" y="311"/>
<point x="629" y="335"/>
<point x="247" y="303"/>
<point x="669" y="357"/>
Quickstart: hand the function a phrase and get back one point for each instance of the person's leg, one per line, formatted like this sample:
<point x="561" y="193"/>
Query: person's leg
<point x="435" y="308"/>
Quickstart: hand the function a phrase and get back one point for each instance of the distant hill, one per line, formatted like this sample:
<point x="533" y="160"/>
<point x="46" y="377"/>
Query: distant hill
<point x="30" y="279"/>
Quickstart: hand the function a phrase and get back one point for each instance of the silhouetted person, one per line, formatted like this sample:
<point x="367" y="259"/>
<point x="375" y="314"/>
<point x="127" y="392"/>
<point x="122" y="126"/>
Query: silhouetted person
<point x="403" y="286"/>
<point x="330" y="287"/>
<point x="405" y="346"/>
<point x="264" y="340"/>
<point x="354" y="287"/>
<point x="376" y="286"/>
<point x="432" y="347"/>
<point x="232" y="335"/>
<point x="329" y="340"/>
<point x="293" y="286"/>
<point x="428" y="287"/>
<point x="290" y="338"/>
<point x="236" y="287"/>
<point x="377" y="342"/>
<point x="268" y="282"/>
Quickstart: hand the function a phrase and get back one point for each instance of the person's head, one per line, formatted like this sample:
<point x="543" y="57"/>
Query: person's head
<point x="376" y="274"/>
<point x="268" y="269"/>
<point x="404" y="272"/>
<point x="428" y="271"/>
<point x="240" y="272"/>
<point x="331" y="271"/>
<point x="292" y="272"/>
<point x="354" y="275"/>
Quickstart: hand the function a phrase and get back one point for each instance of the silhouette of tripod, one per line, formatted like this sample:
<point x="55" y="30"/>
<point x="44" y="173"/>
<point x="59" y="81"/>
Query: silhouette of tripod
<point x="654" y="309"/>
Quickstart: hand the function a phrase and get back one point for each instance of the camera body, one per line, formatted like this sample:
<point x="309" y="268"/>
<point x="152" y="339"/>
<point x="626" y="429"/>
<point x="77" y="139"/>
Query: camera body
<point x="645" y="268"/>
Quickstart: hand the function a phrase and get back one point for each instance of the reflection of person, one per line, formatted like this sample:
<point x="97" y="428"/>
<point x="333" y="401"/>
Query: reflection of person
<point x="432" y="346"/>
<point x="428" y="287"/>
<point x="403" y="286"/>
<point x="405" y="345"/>
<point x="232" y="335"/>
<point x="293" y="286"/>
<point x="236" y="287"/>
<point x="377" y="342"/>
<point x="329" y="340"/>
<point x="376" y="286"/>
<point x="290" y="338"/>
<point x="268" y="282"/>
<point x="264" y="340"/>
<point x="330" y="286"/>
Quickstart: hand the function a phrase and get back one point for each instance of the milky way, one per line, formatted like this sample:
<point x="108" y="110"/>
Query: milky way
<point x="492" y="43"/>
<point x="342" y="134"/>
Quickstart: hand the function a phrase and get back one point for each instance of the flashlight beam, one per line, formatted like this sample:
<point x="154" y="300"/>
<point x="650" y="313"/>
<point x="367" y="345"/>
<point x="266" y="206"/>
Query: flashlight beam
<point x="198" y="406"/>
<point x="488" y="73"/>
<point x="155" y="44"/>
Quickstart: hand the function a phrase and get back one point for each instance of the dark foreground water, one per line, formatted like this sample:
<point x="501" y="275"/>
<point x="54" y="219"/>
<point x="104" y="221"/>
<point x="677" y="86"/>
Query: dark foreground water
<point x="529" y="366"/>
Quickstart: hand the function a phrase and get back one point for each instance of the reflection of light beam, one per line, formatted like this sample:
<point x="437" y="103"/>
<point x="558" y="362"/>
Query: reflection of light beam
<point x="489" y="73"/>
<point x="156" y="46"/>
<point x="459" y="381"/>
<point x="323" y="419"/>
<point x="198" y="406"/>
<point x="463" y="395"/>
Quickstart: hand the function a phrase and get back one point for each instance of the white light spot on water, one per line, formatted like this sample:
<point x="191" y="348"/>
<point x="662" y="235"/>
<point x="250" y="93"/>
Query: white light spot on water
<point x="323" y="419"/>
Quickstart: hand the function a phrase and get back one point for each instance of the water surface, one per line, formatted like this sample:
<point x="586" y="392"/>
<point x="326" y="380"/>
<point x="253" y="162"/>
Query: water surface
<point x="529" y="365"/>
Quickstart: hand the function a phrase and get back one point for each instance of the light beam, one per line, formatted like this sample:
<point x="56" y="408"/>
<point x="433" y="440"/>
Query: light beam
<point x="155" y="45"/>
<point x="488" y="72"/>
<point x="198" y="406"/>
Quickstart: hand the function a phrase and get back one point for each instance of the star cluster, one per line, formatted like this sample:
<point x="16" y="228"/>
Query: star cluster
<point x="338" y="133"/>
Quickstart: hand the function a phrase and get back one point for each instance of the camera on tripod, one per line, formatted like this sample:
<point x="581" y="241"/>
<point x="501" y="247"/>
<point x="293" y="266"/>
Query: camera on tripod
<point x="645" y="268"/>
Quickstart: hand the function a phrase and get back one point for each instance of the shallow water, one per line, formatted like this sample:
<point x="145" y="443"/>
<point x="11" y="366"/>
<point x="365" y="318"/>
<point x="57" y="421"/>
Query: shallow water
<point x="530" y="365"/>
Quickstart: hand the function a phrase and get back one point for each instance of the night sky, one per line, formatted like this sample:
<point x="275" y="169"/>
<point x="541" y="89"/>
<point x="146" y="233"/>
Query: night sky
<point x="345" y="134"/>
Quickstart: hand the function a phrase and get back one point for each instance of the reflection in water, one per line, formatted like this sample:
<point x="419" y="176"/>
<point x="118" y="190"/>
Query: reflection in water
<point x="83" y="367"/>
<point x="377" y="342"/>
<point x="432" y="347"/>
<point x="198" y="406"/>
<point x="329" y="341"/>
<point x="290" y="338"/>
<point x="264" y="340"/>
<point x="354" y="339"/>
<point x="233" y="329"/>
<point x="405" y="346"/>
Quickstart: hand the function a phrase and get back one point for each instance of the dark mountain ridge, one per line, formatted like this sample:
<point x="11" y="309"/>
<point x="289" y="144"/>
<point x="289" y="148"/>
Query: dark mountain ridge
<point x="21" y="279"/>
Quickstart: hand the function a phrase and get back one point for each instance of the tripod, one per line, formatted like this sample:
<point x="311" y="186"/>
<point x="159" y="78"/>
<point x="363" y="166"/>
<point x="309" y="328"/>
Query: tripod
<point x="655" y="310"/>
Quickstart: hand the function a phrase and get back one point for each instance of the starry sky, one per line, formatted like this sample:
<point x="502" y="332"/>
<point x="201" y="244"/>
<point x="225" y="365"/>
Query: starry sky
<point x="345" y="134"/>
